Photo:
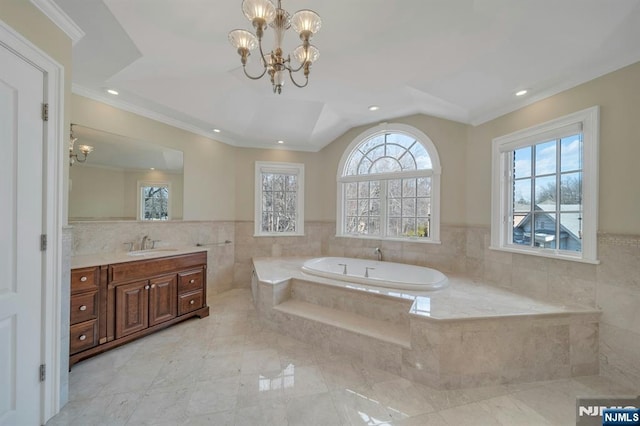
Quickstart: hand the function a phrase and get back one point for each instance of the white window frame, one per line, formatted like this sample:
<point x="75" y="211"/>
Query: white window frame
<point x="588" y="121"/>
<point x="145" y="183"/>
<point x="278" y="168"/>
<point x="433" y="173"/>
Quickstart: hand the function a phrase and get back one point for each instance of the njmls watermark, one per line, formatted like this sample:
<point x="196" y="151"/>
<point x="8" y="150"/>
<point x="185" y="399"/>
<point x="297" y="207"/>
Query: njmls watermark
<point x="608" y="411"/>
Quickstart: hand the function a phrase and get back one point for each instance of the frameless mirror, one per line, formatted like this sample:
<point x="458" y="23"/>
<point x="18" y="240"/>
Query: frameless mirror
<point x="123" y="179"/>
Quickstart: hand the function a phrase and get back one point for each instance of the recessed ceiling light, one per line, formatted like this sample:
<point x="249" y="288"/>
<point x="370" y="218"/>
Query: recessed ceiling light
<point x="280" y="142"/>
<point x="374" y="108"/>
<point x="152" y="168"/>
<point x="112" y="92"/>
<point x="521" y="92"/>
<point x="216" y="130"/>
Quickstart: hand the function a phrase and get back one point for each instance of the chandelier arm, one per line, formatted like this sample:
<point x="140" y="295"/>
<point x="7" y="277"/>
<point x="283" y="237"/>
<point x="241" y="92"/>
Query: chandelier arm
<point x="294" y="81"/>
<point x="264" y="61"/>
<point x="290" y="69"/>
<point x="244" y="68"/>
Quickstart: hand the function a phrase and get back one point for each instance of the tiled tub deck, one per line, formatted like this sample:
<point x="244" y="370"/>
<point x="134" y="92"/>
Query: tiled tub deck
<point x="466" y="335"/>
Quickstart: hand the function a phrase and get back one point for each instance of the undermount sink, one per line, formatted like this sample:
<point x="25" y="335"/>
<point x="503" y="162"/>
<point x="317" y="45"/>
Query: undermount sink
<point x="149" y="252"/>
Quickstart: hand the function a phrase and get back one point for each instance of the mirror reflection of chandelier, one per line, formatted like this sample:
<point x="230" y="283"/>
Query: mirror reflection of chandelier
<point x="262" y="13"/>
<point x="85" y="150"/>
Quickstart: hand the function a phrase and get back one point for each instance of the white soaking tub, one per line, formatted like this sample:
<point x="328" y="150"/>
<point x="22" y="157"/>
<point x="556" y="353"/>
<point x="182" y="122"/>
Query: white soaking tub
<point x="388" y="275"/>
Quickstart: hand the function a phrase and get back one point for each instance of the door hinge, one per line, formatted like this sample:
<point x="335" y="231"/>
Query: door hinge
<point x="43" y="242"/>
<point x="43" y="372"/>
<point x="45" y="112"/>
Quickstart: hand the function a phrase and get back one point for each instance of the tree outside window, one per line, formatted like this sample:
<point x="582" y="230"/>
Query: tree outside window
<point x="279" y="199"/>
<point x="154" y="201"/>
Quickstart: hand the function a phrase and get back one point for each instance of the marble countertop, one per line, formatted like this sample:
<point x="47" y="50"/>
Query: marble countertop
<point x="464" y="298"/>
<point x="96" y="259"/>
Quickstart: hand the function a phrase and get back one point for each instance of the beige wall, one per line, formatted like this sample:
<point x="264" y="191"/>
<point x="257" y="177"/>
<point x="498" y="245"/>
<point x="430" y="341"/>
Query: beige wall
<point x="618" y="95"/>
<point x="245" y="180"/>
<point x="209" y="194"/>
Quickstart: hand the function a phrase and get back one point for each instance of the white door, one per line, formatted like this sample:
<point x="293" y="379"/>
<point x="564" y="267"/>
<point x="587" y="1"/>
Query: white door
<point x="21" y="223"/>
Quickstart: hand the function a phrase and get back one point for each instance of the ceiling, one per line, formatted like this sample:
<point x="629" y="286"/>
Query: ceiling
<point x="457" y="59"/>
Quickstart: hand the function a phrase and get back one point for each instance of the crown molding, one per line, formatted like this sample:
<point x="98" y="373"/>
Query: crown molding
<point x="61" y="19"/>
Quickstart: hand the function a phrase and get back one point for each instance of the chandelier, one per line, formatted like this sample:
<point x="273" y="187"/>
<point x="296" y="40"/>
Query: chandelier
<point x="85" y="150"/>
<point x="262" y="13"/>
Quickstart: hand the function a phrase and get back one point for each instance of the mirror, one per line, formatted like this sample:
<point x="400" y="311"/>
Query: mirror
<point x="110" y="184"/>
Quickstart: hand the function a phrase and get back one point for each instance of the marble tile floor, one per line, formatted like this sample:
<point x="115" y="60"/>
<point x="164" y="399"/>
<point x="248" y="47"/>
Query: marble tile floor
<point x="228" y="369"/>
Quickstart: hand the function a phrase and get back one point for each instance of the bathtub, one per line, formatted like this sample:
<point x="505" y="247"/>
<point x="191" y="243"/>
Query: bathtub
<point x="388" y="275"/>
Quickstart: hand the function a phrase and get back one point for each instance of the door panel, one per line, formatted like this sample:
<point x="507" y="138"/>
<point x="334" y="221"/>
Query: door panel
<point x="132" y="308"/>
<point x="163" y="297"/>
<point x="21" y="261"/>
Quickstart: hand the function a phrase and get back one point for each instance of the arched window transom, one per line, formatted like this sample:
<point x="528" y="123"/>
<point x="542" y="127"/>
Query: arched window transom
<point x="389" y="185"/>
<point x="388" y="153"/>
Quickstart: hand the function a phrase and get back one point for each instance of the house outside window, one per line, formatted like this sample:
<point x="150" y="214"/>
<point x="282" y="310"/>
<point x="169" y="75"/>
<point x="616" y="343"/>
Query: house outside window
<point x="389" y="186"/>
<point x="279" y="199"/>
<point x="544" y="189"/>
<point x="153" y="200"/>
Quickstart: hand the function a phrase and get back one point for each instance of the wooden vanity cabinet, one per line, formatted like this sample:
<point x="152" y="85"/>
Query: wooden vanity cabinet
<point x="114" y="304"/>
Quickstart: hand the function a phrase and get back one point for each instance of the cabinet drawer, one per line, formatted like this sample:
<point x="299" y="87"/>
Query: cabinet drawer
<point x="190" y="281"/>
<point x="83" y="336"/>
<point x="84" y="307"/>
<point x="83" y="279"/>
<point x="190" y="302"/>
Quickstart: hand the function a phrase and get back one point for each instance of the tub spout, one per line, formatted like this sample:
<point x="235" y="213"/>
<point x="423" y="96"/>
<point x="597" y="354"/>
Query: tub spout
<point x="344" y="269"/>
<point x="378" y="253"/>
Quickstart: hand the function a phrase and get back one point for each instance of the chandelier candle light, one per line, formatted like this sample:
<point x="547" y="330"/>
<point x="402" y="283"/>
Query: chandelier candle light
<point x="85" y="150"/>
<point x="262" y="13"/>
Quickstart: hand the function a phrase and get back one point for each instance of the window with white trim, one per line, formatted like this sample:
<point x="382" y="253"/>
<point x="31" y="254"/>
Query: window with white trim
<point x="389" y="186"/>
<point x="154" y="202"/>
<point x="545" y="188"/>
<point x="279" y="199"/>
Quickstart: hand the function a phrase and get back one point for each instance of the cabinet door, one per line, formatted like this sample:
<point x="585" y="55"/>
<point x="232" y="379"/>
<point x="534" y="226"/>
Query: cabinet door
<point x="132" y="308"/>
<point x="163" y="299"/>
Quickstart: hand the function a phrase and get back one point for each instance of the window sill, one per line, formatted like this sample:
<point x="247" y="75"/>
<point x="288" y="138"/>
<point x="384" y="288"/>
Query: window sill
<point x="277" y="234"/>
<point x="550" y="254"/>
<point x="420" y="240"/>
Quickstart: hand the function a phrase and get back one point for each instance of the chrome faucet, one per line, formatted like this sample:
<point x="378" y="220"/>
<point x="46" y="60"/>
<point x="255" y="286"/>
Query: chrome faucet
<point x="378" y="253"/>
<point x="143" y="244"/>
<point x="366" y="271"/>
<point x="344" y="269"/>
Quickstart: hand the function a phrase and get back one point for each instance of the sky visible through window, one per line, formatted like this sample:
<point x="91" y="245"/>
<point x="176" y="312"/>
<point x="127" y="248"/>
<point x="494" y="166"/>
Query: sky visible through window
<point x="551" y="173"/>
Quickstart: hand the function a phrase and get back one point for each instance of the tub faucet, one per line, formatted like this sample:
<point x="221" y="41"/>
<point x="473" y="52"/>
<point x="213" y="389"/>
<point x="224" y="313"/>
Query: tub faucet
<point x="344" y="269"/>
<point x="366" y="271"/>
<point x="378" y="253"/>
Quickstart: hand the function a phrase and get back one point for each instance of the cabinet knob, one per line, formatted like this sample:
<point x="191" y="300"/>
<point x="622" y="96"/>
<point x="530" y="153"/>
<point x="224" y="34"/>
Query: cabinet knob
<point x="83" y="307"/>
<point x="146" y="287"/>
<point x="83" y="279"/>
<point x="153" y="286"/>
<point x="192" y="302"/>
<point x="192" y="281"/>
<point x="82" y="337"/>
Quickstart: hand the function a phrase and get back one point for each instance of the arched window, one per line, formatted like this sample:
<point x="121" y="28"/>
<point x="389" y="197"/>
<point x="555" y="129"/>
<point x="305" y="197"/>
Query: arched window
<point x="389" y="186"/>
